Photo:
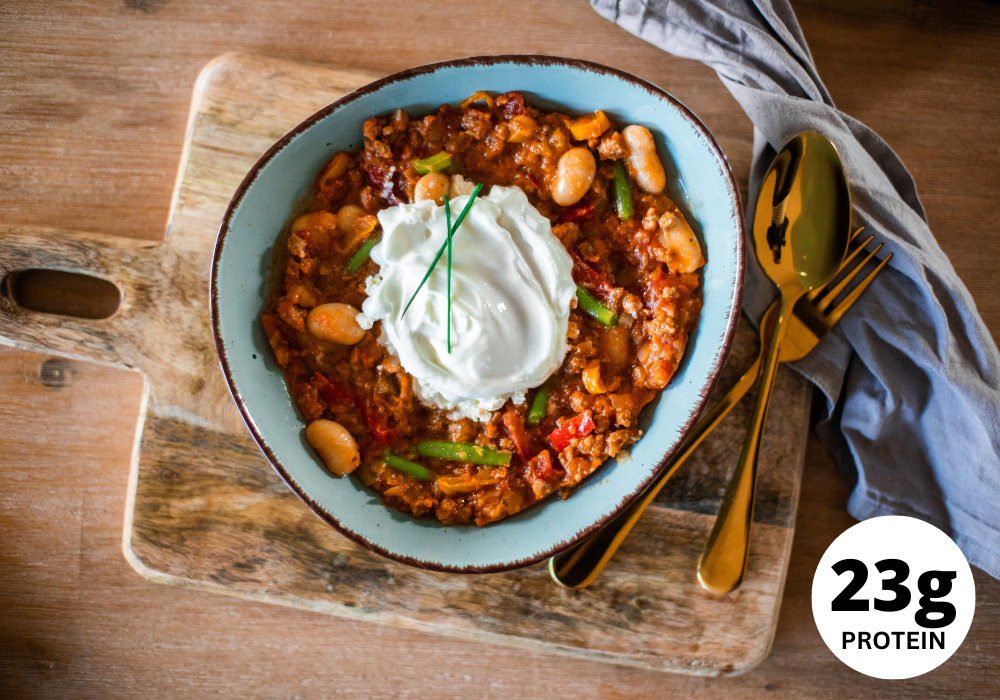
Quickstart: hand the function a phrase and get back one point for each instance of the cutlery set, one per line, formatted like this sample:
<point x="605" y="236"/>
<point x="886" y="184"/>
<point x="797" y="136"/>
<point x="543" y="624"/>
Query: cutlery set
<point x="803" y="242"/>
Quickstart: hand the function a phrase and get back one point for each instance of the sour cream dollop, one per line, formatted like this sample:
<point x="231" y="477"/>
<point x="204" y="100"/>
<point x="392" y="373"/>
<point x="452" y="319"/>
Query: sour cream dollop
<point x="511" y="288"/>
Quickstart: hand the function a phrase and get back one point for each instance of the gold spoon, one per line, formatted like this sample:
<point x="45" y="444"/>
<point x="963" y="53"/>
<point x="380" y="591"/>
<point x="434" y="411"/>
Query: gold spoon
<point x="801" y="231"/>
<point x="812" y="318"/>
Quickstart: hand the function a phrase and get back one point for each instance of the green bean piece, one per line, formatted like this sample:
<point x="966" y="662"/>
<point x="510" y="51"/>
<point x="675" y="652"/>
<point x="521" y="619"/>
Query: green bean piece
<point x="623" y="193"/>
<point x="362" y="253"/>
<point x="595" y="309"/>
<point x="539" y="406"/>
<point x="436" y="163"/>
<point x="462" y="452"/>
<point x="408" y="467"/>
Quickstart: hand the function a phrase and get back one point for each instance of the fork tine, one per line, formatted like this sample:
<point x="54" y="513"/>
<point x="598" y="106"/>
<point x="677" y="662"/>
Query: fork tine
<point x="820" y="291"/>
<point x="855" y="234"/>
<point x="849" y="300"/>
<point x="842" y="285"/>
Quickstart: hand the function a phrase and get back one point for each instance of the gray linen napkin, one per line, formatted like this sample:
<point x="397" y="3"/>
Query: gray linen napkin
<point x="911" y="374"/>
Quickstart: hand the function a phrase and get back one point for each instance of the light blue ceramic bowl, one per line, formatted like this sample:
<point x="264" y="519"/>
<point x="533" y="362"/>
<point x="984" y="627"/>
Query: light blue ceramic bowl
<point x="700" y="182"/>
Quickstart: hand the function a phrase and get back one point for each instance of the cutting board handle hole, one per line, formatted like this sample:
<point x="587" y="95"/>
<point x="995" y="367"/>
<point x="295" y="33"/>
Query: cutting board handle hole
<point x="64" y="293"/>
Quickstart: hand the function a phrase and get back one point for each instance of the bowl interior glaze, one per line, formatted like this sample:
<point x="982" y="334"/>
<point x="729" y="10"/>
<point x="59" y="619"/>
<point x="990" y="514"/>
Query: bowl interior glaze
<point x="699" y="181"/>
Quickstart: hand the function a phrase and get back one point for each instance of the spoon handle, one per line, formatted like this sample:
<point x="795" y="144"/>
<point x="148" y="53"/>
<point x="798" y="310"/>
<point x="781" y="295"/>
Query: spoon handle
<point x="578" y="566"/>
<point x="724" y="561"/>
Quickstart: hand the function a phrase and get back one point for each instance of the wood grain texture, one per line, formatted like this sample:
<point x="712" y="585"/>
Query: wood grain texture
<point x="94" y="94"/>
<point x="94" y="100"/>
<point x="77" y="622"/>
<point x="209" y="512"/>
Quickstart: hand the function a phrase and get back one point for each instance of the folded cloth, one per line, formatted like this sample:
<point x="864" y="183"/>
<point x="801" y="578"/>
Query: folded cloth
<point x="911" y="374"/>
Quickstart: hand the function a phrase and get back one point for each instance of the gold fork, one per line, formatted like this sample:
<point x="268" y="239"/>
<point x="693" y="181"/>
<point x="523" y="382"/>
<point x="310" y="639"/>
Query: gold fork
<point x="578" y="566"/>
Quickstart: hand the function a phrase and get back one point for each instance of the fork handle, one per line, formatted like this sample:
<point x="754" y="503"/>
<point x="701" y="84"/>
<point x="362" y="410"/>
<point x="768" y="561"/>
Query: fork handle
<point x="578" y="566"/>
<point x="724" y="560"/>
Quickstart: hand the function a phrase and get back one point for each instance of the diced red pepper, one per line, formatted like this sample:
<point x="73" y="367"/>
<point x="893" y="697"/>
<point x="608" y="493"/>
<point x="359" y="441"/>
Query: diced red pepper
<point x="577" y="213"/>
<point x="376" y="421"/>
<point x="513" y="421"/>
<point x="514" y="104"/>
<point x="592" y="280"/>
<point x="380" y="177"/>
<point x="576" y="427"/>
<point x="542" y="467"/>
<point x="333" y="393"/>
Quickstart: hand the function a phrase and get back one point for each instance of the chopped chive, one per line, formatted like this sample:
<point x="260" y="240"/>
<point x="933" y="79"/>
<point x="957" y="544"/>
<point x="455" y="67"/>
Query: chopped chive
<point x="458" y="222"/>
<point x="408" y="467"/>
<point x="447" y="219"/>
<point x="539" y="406"/>
<point x="362" y="253"/>
<point x="433" y="164"/>
<point x="623" y="192"/>
<point x="595" y="309"/>
<point x="462" y="452"/>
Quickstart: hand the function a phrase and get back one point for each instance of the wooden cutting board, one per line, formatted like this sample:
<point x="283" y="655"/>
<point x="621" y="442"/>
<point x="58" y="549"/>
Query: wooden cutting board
<point x="207" y="511"/>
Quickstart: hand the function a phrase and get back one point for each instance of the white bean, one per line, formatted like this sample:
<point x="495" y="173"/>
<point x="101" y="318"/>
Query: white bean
<point x="431" y="186"/>
<point x="460" y="186"/>
<point x="355" y="224"/>
<point x="301" y="296"/>
<point x="574" y="175"/>
<point x="335" y="445"/>
<point x="683" y="252"/>
<point x="643" y="164"/>
<point x="335" y="323"/>
<point x="320" y="221"/>
<point x="347" y="216"/>
<point x="337" y="166"/>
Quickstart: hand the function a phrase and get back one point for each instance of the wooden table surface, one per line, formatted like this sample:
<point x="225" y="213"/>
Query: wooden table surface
<point x="93" y="102"/>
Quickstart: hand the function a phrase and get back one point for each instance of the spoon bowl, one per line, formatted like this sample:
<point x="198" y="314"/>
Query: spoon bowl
<point x="802" y="226"/>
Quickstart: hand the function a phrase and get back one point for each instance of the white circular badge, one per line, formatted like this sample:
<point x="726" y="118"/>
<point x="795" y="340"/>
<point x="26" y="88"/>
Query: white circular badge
<point x="893" y="597"/>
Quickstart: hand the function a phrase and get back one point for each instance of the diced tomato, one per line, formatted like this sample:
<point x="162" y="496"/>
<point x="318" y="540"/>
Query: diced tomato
<point x="376" y="421"/>
<point x="333" y="393"/>
<point x="513" y="421"/>
<point x="514" y="104"/>
<point x="589" y="278"/>
<point x="578" y="426"/>
<point x="577" y="213"/>
<point x="381" y="179"/>
<point x="542" y="467"/>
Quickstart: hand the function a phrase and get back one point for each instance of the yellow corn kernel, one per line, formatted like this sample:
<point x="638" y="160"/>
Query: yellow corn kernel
<point x="457" y="485"/>
<point x="592" y="380"/>
<point x="318" y="221"/>
<point x="479" y="96"/>
<point x="522" y="127"/>
<point x="337" y="166"/>
<point x="589" y="126"/>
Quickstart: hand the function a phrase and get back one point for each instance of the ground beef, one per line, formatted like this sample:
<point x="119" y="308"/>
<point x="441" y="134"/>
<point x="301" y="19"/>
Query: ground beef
<point x="371" y="395"/>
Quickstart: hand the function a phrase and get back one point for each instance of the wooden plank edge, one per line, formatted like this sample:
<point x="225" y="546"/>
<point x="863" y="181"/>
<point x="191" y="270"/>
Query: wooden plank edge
<point x="341" y="611"/>
<point x="356" y="614"/>
<point x="133" y="482"/>
<point x="200" y="85"/>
